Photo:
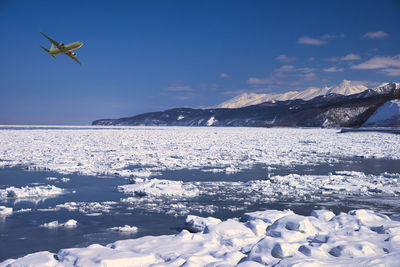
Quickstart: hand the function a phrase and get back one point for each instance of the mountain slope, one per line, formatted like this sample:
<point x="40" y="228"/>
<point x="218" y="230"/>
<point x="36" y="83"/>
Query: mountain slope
<point x="332" y="110"/>
<point x="387" y="115"/>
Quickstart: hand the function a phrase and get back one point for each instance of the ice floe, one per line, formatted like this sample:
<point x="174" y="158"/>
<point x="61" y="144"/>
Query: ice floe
<point x="55" y="224"/>
<point x="140" y="151"/>
<point x="157" y="187"/>
<point x="4" y="211"/>
<point x="26" y="192"/>
<point x="125" y="229"/>
<point x="153" y="195"/>
<point x="278" y="238"/>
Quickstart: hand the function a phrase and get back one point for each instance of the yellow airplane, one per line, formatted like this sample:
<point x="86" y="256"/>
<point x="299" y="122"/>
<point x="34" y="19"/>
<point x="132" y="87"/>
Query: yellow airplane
<point x="60" y="48"/>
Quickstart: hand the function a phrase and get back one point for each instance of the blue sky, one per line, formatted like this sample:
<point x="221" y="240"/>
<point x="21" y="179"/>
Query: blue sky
<point x="142" y="56"/>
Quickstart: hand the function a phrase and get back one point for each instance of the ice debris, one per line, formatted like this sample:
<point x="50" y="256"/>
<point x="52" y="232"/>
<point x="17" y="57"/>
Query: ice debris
<point x="55" y="224"/>
<point x="157" y="187"/>
<point x="278" y="238"/>
<point x="125" y="229"/>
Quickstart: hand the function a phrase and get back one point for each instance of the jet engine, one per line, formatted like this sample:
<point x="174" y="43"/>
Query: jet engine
<point x="73" y="54"/>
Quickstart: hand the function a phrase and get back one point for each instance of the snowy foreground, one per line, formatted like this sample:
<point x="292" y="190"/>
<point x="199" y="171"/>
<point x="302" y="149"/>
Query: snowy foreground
<point x="270" y="237"/>
<point x="141" y="151"/>
<point x="278" y="238"/>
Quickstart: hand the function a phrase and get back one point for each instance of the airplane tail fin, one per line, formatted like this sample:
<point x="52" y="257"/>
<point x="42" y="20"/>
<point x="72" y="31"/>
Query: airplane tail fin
<point x="52" y="46"/>
<point x="47" y="51"/>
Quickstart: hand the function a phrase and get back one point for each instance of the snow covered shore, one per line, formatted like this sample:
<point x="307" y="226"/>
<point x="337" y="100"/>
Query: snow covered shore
<point x="270" y="237"/>
<point x="141" y="151"/>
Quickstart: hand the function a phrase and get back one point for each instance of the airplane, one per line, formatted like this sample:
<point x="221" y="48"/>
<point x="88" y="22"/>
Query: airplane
<point x="60" y="48"/>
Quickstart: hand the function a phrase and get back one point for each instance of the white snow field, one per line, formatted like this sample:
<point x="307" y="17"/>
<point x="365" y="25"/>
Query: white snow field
<point x="139" y="151"/>
<point x="272" y="238"/>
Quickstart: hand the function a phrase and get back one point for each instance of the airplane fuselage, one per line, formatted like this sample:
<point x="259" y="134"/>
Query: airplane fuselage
<point x="65" y="48"/>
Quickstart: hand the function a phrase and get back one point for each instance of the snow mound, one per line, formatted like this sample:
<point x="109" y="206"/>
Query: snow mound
<point x="126" y="228"/>
<point x="54" y="224"/>
<point x="387" y="115"/>
<point x="158" y="187"/>
<point x="43" y="191"/>
<point x="356" y="238"/>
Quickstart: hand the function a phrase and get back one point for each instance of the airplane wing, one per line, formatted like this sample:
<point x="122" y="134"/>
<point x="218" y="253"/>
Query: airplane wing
<point x="51" y="40"/>
<point x="74" y="58"/>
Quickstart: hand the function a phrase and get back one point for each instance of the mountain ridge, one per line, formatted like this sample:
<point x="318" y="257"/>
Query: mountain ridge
<point x="331" y="110"/>
<point x="346" y="87"/>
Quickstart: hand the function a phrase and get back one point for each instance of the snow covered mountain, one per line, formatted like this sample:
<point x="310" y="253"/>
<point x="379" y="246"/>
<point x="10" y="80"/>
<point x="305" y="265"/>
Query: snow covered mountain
<point x="344" y="88"/>
<point x="328" y="110"/>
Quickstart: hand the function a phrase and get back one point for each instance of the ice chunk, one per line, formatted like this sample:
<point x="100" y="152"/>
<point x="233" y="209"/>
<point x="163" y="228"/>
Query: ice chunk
<point x="4" y="211"/>
<point x="198" y="224"/>
<point x="158" y="187"/>
<point x="54" y="224"/>
<point x="43" y="191"/>
<point x="126" y="228"/>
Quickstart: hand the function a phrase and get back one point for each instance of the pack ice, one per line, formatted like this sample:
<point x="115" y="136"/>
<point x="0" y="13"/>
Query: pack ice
<point x="141" y="151"/>
<point x="263" y="238"/>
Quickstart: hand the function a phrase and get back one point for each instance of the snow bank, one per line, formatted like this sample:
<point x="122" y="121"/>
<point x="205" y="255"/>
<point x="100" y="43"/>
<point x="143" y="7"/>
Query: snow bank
<point x="387" y="115"/>
<point x="43" y="191"/>
<point x="114" y="151"/>
<point x="157" y="187"/>
<point x="356" y="238"/>
<point x="54" y="224"/>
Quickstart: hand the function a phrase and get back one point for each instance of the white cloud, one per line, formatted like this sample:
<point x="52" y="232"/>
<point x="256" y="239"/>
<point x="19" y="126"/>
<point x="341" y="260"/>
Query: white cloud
<point x="311" y="41"/>
<point x="334" y="69"/>
<point x="179" y="88"/>
<point x="285" y="58"/>
<point x="391" y="72"/>
<point x="375" y="35"/>
<point x="320" y="40"/>
<point x="346" y="57"/>
<point x="224" y="75"/>
<point x="287" y="74"/>
<point x="379" y="62"/>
